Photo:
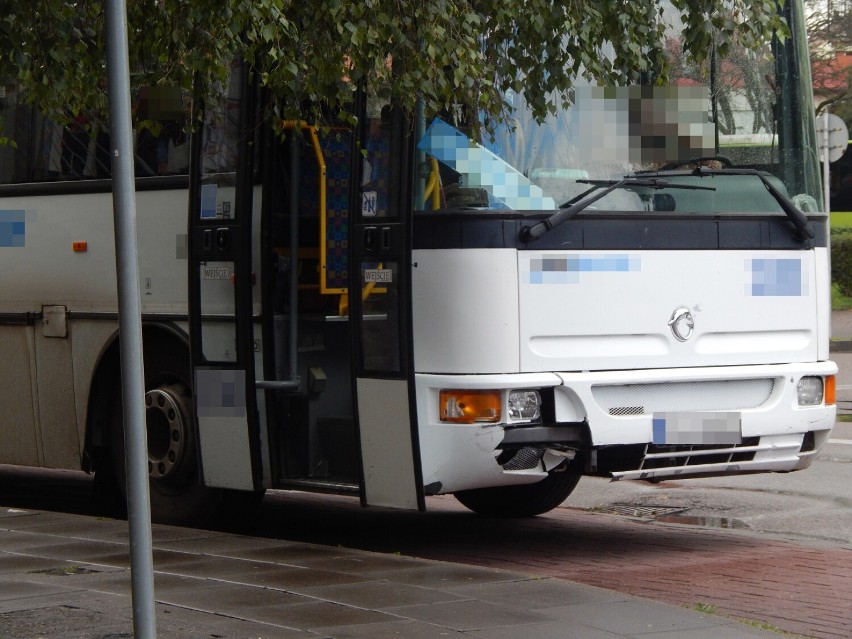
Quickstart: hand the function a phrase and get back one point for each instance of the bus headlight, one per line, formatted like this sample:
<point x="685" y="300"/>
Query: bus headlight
<point x="524" y="405"/>
<point x="810" y="391"/>
<point x="459" y="406"/>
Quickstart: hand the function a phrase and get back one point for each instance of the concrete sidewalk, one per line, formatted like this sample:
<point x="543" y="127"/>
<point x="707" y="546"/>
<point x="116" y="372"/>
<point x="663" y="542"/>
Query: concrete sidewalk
<point x="68" y="576"/>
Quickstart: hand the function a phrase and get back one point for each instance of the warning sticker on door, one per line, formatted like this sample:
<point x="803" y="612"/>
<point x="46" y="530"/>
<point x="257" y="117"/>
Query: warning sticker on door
<point x="380" y="275"/>
<point x="216" y="273"/>
<point x="369" y="199"/>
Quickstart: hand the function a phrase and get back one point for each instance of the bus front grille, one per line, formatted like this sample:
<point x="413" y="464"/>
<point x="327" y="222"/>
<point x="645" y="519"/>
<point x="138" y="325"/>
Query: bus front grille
<point x="624" y="400"/>
<point x="665" y="456"/>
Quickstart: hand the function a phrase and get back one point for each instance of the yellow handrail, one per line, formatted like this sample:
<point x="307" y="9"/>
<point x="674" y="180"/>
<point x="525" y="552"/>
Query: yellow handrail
<point x="312" y="132"/>
<point x="433" y="186"/>
<point x="323" y="257"/>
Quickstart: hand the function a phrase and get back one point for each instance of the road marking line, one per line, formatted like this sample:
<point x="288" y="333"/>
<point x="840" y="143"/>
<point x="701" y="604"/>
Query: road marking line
<point x="847" y="442"/>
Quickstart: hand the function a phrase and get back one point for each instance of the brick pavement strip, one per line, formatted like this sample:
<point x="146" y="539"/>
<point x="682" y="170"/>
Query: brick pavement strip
<point x="797" y="587"/>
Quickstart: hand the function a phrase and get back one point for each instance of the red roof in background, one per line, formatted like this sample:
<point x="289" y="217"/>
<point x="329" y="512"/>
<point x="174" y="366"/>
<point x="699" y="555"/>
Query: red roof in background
<point x="832" y="74"/>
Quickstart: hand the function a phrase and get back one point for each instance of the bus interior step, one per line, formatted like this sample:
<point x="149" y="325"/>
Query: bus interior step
<point x="337" y="438"/>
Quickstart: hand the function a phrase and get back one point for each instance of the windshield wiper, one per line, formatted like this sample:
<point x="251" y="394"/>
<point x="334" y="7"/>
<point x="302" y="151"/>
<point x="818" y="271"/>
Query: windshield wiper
<point x="570" y="208"/>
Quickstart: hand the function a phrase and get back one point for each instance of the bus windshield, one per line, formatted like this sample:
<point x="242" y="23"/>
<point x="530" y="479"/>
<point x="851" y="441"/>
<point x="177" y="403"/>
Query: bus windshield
<point x="750" y="109"/>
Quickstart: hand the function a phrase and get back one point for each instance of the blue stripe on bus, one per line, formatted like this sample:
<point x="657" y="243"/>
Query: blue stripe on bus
<point x="12" y="228"/>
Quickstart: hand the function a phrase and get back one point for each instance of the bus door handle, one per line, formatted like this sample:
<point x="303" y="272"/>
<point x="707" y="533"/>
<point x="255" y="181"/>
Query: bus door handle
<point x="223" y="240"/>
<point x="371" y="239"/>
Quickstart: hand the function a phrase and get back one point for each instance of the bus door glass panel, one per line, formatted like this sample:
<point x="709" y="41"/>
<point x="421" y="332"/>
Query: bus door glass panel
<point x="380" y="308"/>
<point x="216" y="270"/>
<point x="381" y="232"/>
<point x="218" y="325"/>
<point x="221" y="302"/>
<point x="380" y="320"/>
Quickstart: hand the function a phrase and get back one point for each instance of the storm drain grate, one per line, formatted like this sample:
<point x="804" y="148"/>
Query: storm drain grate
<point x="66" y="571"/>
<point x="631" y="510"/>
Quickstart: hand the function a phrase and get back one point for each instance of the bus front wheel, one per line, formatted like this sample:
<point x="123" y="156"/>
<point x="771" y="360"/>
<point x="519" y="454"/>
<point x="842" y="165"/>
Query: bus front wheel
<point x="524" y="500"/>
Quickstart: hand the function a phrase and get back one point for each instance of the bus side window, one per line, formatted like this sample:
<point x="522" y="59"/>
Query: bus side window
<point x="45" y="150"/>
<point x="75" y="147"/>
<point x="162" y="146"/>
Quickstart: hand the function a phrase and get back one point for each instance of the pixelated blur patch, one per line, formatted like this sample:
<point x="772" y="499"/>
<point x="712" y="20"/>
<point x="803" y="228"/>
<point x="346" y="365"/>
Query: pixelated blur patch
<point x="12" y="228"/>
<point x="697" y="428"/>
<point x="480" y="168"/>
<point x="566" y="269"/>
<point x="160" y="103"/>
<point x="220" y="393"/>
<point x="644" y="124"/>
<point x="208" y="201"/>
<point x="776" y="278"/>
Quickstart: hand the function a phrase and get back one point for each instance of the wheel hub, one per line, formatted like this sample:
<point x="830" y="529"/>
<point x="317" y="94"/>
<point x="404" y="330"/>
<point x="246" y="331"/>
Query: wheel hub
<point x="166" y="429"/>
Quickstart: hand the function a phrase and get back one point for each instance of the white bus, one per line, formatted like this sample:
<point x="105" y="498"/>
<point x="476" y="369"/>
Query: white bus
<point x="434" y="315"/>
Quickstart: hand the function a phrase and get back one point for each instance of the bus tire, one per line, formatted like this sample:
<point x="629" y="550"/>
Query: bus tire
<point x="177" y="494"/>
<point x="524" y="500"/>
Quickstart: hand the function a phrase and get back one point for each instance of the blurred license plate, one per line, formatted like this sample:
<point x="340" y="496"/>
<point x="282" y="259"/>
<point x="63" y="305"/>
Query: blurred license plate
<point x="698" y="428"/>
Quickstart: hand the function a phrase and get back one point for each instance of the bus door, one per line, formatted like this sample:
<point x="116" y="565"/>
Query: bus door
<point x="380" y="309"/>
<point x="220" y="289"/>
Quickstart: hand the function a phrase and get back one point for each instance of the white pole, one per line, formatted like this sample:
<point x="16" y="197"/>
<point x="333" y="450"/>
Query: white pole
<point x="825" y="162"/>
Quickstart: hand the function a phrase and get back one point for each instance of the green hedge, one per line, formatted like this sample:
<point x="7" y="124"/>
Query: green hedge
<point x="841" y="259"/>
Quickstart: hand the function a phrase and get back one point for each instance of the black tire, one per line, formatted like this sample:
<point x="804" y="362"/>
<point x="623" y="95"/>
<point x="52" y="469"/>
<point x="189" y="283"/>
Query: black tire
<point x="176" y="492"/>
<point x="524" y="500"/>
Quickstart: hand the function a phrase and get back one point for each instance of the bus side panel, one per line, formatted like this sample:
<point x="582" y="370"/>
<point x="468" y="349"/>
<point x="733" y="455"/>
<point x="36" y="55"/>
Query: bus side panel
<point x="46" y="270"/>
<point x="56" y="409"/>
<point x="162" y="251"/>
<point x="19" y="443"/>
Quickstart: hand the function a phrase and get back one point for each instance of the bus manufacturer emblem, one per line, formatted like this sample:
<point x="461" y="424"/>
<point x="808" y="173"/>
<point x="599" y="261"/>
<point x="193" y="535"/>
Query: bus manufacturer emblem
<point x="682" y="324"/>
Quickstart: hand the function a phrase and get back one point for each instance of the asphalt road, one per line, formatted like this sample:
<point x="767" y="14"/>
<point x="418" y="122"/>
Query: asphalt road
<point x="812" y="504"/>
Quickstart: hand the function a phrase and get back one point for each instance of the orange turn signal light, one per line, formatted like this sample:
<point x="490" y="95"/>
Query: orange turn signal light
<point x="471" y="406"/>
<point x="830" y="390"/>
<point x="80" y="246"/>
